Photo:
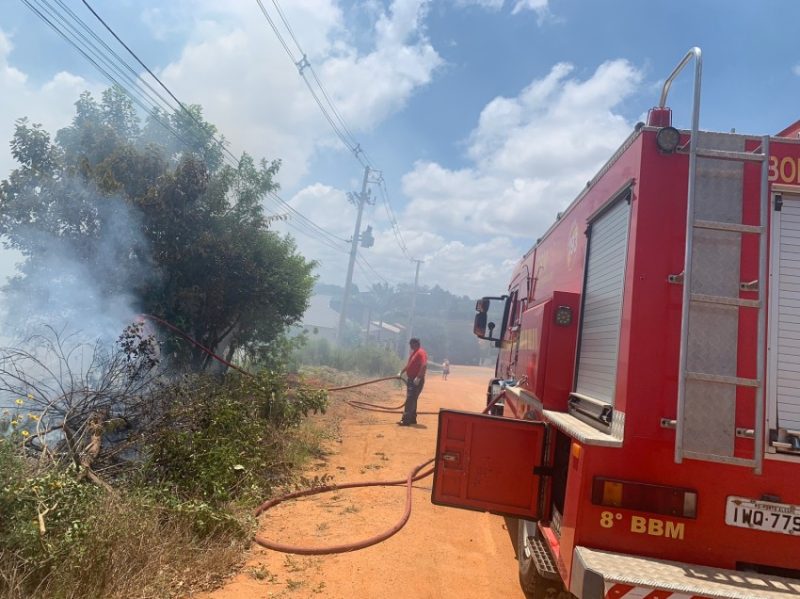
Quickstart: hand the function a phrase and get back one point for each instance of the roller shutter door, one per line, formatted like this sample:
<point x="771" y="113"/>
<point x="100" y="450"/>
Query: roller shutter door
<point x="786" y="317"/>
<point x="602" y="303"/>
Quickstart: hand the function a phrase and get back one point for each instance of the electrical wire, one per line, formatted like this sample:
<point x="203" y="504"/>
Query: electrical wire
<point x="77" y="33"/>
<point x="330" y="112"/>
<point x="301" y="65"/>
<point x="36" y="5"/>
<point x="93" y="54"/>
<point x="202" y="126"/>
<point x="304" y="225"/>
<point x="120" y="73"/>
<point x="307" y="64"/>
<point x="368" y="279"/>
<point x="392" y="219"/>
<point x="129" y="74"/>
<point x="305" y="219"/>
<point x="363" y="261"/>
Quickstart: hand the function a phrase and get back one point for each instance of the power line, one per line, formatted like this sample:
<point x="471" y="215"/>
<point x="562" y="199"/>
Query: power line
<point x="329" y="111"/>
<point x="305" y="219"/>
<point x="392" y="219"/>
<point x="364" y="263"/>
<point x="202" y="126"/>
<point x="76" y="38"/>
<point x="119" y="72"/>
<point x="93" y="54"/>
<point x="306" y="64"/>
<point x="75" y="44"/>
<point x="301" y="65"/>
<point x="133" y="76"/>
<point x="304" y="225"/>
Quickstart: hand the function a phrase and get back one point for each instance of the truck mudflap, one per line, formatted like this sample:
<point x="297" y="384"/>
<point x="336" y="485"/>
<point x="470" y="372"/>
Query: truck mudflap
<point x="606" y="575"/>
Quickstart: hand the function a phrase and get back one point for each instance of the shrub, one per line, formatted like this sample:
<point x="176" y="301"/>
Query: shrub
<point x="46" y="514"/>
<point x="364" y="359"/>
<point x="169" y="526"/>
<point x="227" y="441"/>
<point x="110" y="546"/>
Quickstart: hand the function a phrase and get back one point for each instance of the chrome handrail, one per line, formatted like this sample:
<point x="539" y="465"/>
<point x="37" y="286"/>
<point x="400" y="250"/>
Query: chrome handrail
<point x="687" y="264"/>
<point x="762" y="316"/>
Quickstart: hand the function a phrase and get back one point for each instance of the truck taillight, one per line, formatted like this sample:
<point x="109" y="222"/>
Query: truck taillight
<point x="644" y="497"/>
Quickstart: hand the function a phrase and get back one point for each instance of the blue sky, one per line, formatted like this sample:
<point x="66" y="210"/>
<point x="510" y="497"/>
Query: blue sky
<point x="485" y="117"/>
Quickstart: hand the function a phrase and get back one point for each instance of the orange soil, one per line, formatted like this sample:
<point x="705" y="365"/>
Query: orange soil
<point x="441" y="553"/>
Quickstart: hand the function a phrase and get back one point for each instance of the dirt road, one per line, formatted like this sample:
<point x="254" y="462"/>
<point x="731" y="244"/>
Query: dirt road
<point x="441" y="553"/>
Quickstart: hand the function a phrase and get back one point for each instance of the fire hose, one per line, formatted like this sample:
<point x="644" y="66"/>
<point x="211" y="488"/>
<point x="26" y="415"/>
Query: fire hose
<point x="414" y="475"/>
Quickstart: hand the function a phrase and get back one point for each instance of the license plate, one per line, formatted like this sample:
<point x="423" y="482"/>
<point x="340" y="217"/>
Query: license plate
<point x="763" y="515"/>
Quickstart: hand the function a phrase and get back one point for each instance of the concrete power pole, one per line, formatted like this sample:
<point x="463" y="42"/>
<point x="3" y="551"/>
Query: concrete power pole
<point x="409" y="334"/>
<point x="361" y="199"/>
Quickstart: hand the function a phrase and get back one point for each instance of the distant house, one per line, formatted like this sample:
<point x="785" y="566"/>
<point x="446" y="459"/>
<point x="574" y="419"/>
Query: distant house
<point x="320" y="320"/>
<point x="387" y="334"/>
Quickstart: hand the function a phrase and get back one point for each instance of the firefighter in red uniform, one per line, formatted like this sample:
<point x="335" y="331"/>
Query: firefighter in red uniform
<point x="415" y="370"/>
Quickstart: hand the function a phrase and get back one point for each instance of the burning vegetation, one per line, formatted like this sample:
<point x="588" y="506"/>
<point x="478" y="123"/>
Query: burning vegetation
<point x="129" y="456"/>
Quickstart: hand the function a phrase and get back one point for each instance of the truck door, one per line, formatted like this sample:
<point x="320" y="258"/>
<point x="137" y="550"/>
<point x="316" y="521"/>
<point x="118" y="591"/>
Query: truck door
<point x="489" y="464"/>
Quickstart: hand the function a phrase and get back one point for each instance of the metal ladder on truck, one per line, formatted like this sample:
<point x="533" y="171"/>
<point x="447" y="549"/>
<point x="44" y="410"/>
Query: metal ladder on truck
<point x="708" y="381"/>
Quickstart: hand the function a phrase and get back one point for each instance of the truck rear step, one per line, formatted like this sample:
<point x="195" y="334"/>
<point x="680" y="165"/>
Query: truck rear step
<point x="598" y="574"/>
<point x="542" y="559"/>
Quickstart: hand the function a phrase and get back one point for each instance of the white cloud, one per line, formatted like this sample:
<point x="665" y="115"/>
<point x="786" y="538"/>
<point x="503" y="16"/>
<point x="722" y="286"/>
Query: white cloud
<point x="477" y="266"/>
<point x="529" y="157"/>
<point x="796" y="69"/>
<point x="540" y="7"/>
<point x="463" y="267"/>
<point x="489" y="4"/>
<point x="50" y="104"/>
<point x="259" y="100"/>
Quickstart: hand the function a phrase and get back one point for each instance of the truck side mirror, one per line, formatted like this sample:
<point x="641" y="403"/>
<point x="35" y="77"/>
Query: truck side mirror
<point x="484" y="329"/>
<point x="479" y="328"/>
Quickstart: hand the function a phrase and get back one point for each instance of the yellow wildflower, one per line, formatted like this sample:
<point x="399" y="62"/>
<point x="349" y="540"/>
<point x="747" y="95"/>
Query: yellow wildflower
<point x="14" y="422"/>
<point x="24" y="433"/>
<point x="30" y="396"/>
<point x="18" y="402"/>
<point x="33" y="417"/>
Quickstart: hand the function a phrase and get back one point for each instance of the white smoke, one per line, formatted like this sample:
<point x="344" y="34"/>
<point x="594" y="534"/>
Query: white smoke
<point x="81" y="284"/>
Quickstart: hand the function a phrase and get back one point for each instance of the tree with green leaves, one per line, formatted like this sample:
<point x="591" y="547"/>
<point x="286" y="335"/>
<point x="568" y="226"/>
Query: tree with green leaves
<point x="109" y="210"/>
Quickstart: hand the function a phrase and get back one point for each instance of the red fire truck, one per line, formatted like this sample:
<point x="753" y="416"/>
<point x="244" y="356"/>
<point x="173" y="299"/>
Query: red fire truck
<point x="649" y="371"/>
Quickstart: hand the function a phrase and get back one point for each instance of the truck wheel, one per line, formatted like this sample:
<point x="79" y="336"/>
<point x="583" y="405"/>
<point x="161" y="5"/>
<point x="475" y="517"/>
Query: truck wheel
<point x="534" y="584"/>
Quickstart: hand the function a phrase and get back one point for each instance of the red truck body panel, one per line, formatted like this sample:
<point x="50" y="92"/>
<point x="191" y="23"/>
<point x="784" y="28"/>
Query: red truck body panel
<point x="542" y="356"/>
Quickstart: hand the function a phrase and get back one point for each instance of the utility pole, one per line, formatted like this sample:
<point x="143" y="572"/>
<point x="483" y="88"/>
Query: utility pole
<point x="413" y="305"/>
<point x="361" y="199"/>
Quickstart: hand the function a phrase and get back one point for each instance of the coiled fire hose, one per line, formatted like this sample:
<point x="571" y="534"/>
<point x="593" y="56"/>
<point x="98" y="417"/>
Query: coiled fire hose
<point x="409" y="481"/>
<point x="414" y="475"/>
